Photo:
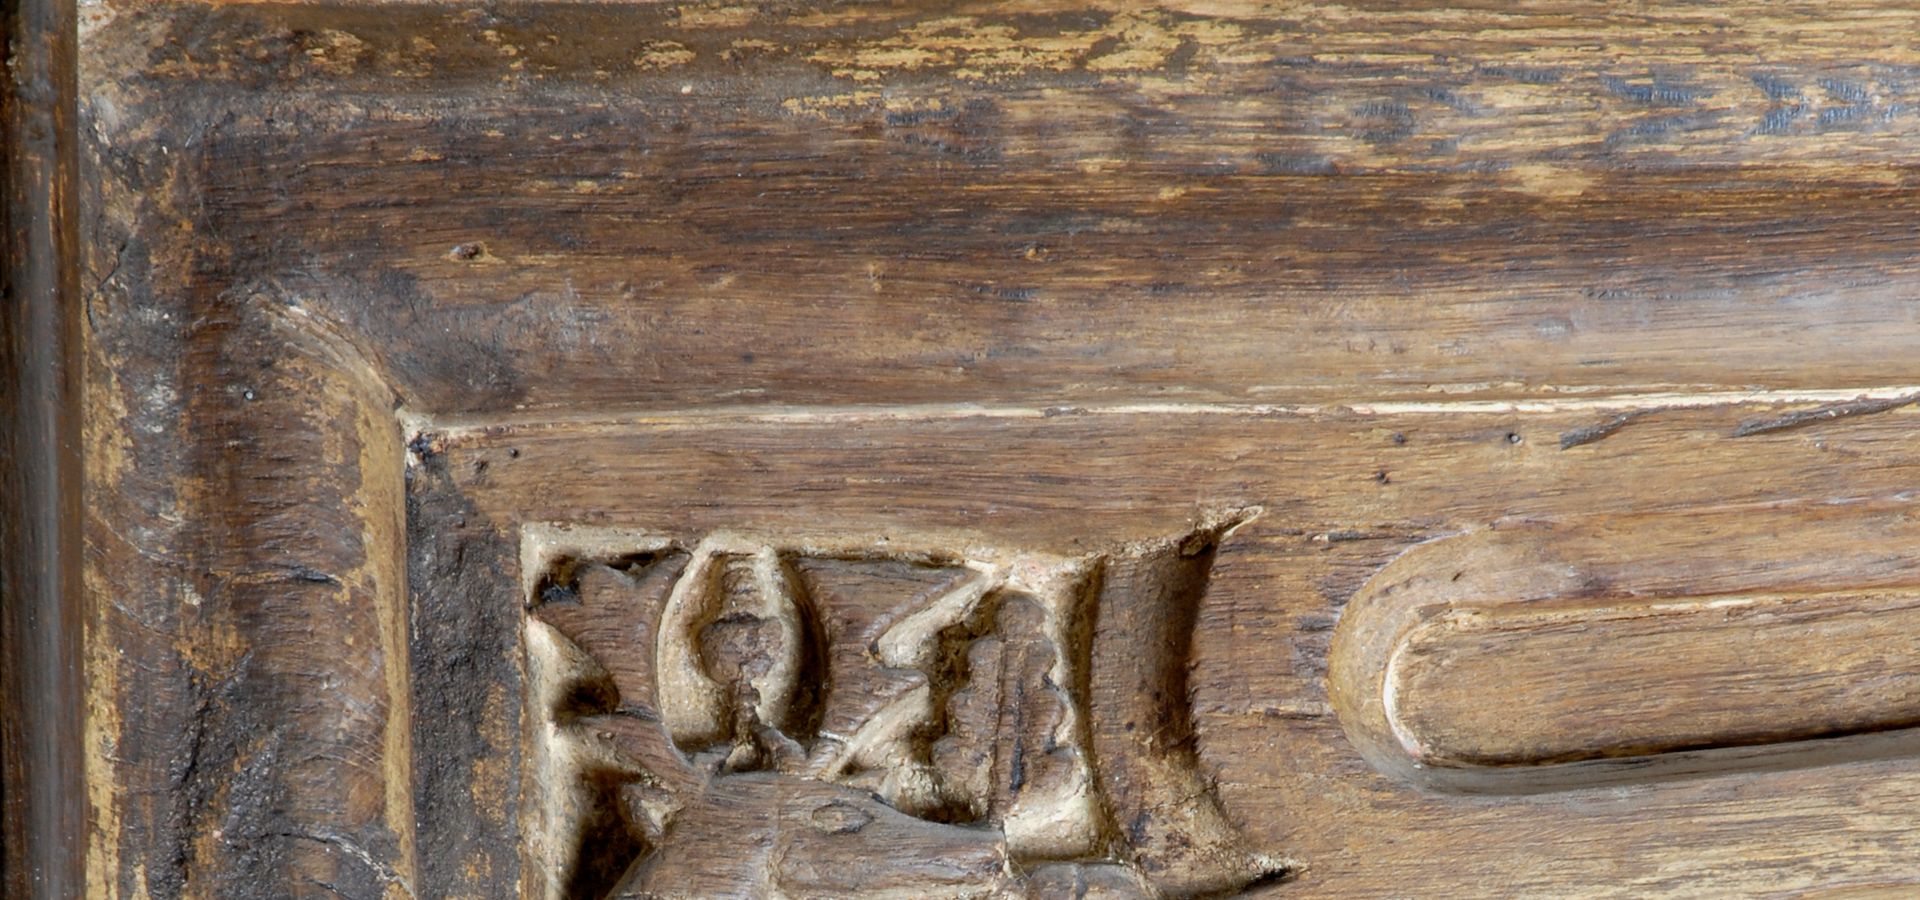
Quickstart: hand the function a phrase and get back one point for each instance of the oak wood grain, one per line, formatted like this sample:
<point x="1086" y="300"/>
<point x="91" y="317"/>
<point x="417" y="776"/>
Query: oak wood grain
<point x="377" y="296"/>
<point x="633" y="205"/>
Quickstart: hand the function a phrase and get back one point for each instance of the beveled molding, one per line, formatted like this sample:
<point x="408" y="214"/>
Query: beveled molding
<point x="1540" y="658"/>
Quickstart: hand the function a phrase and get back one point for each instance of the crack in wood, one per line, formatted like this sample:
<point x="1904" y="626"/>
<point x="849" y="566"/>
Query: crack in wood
<point x="1804" y="418"/>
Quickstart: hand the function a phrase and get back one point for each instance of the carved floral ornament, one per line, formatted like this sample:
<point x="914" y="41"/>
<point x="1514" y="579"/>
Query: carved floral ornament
<point x="1012" y="724"/>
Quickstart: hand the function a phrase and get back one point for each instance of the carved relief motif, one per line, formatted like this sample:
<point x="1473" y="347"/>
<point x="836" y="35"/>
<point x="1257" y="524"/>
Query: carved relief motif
<point x="766" y="719"/>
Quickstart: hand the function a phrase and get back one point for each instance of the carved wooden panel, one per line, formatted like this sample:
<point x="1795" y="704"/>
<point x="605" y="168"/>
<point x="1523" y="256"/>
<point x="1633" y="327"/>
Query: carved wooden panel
<point x="1398" y="684"/>
<point x="900" y="720"/>
<point x="953" y="450"/>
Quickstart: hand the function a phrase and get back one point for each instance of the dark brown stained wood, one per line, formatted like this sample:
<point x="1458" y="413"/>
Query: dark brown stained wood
<point x="43" y="787"/>
<point x="709" y="449"/>
<point x="1561" y="201"/>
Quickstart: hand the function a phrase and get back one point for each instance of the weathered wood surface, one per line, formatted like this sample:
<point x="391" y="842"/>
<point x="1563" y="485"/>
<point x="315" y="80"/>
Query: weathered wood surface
<point x="379" y="297"/>
<point x="883" y="204"/>
<point x="1819" y="521"/>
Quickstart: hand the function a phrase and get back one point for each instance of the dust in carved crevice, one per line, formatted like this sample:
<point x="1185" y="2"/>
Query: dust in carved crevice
<point x="606" y="842"/>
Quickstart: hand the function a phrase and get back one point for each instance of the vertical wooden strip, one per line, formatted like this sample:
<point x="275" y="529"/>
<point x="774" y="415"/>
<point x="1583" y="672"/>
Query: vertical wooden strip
<point x="44" y="817"/>
<point x="300" y="768"/>
<point x="467" y="674"/>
